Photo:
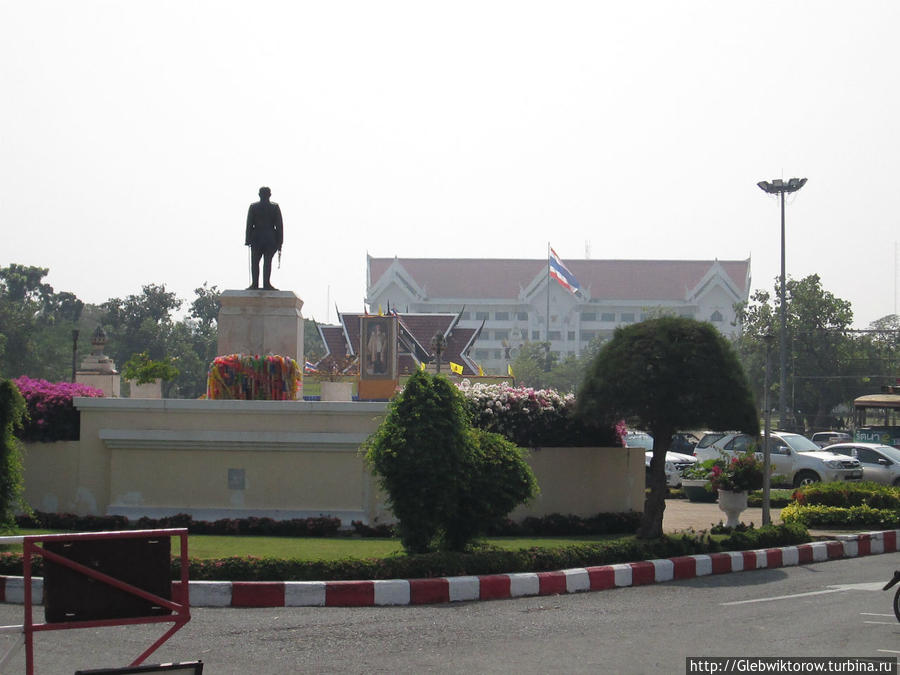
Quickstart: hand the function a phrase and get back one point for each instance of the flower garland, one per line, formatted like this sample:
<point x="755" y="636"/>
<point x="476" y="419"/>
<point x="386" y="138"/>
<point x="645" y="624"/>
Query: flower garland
<point x="253" y="378"/>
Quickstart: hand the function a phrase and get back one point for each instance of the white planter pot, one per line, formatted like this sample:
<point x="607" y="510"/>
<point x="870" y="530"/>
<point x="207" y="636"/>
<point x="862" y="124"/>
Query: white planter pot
<point x="336" y="391"/>
<point x="732" y="503"/>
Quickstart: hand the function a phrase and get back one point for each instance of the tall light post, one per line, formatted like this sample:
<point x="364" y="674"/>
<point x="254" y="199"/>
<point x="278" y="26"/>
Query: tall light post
<point x="768" y="338"/>
<point x="779" y="187"/>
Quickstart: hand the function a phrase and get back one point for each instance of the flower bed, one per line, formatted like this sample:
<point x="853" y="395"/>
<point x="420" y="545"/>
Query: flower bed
<point x="51" y="414"/>
<point x="253" y="378"/>
<point x="534" y="417"/>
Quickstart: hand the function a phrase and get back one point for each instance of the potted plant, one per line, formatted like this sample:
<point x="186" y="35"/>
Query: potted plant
<point x="332" y="383"/>
<point x="146" y="375"/>
<point x="733" y="479"/>
<point x="695" y="483"/>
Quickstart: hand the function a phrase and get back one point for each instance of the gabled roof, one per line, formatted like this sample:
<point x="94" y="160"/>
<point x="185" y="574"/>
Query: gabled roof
<point x="414" y="337"/>
<point x="498" y="278"/>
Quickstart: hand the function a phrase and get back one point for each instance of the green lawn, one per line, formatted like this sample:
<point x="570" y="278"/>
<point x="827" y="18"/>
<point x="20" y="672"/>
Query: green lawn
<point x="336" y="548"/>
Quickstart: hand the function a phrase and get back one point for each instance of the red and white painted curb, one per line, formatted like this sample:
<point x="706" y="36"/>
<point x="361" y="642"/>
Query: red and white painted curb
<point x="392" y="592"/>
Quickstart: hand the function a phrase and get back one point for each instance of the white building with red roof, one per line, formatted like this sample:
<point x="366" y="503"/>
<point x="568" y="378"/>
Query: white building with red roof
<point x="507" y="299"/>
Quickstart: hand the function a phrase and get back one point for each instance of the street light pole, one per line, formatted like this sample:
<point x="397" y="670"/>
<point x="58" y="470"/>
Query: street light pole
<point x="779" y="187"/>
<point x="768" y="338"/>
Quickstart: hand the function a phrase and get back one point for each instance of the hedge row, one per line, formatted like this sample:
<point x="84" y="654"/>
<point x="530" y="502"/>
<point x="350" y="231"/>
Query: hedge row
<point x="837" y="516"/>
<point x="548" y="526"/>
<point x="875" y="495"/>
<point x="321" y="526"/>
<point x="478" y="562"/>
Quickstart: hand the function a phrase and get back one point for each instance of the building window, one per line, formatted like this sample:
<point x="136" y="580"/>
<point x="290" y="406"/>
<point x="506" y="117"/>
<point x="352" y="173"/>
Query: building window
<point x="501" y="334"/>
<point x="482" y="354"/>
<point x="716" y="317"/>
<point x="497" y="354"/>
<point x="589" y="316"/>
<point x="535" y="335"/>
<point x="482" y="316"/>
<point x="627" y="317"/>
<point x="608" y="316"/>
<point x="501" y="316"/>
<point x="555" y="335"/>
<point x="588" y="335"/>
<point x="571" y="337"/>
<point x="522" y="316"/>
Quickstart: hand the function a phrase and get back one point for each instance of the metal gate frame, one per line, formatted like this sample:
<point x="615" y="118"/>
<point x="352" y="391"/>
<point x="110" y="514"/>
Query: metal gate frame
<point x="179" y="605"/>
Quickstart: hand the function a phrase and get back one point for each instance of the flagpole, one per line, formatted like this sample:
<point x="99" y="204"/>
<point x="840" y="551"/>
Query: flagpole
<point x="547" y="333"/>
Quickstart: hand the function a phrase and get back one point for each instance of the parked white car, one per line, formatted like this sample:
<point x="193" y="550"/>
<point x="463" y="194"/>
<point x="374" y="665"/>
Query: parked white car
<point x="880" y="463"/>
<point x="826" y="438"/>
<point x="793" y="456"/>
<point x="676" y="464"/>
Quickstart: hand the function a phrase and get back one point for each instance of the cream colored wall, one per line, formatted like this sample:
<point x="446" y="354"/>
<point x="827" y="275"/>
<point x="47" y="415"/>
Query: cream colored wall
<point x="297" y="459"/>
<point x="585" y="481"/>
<point x="50" y="471"/>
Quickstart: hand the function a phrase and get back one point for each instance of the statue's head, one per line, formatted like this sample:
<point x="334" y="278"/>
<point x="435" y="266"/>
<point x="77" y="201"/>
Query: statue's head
<point x="265" y="192"/>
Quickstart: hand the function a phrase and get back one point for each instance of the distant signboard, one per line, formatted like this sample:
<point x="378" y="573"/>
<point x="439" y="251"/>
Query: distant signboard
<point x="883" y="435"/>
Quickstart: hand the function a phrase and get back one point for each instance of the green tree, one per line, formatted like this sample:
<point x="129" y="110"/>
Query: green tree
<point x="669" y="374"/>
<point x="445" y="481"/>
<point x="826" y="361"/>
<point x="36" y="324"/>
<point x="533" y="364"/>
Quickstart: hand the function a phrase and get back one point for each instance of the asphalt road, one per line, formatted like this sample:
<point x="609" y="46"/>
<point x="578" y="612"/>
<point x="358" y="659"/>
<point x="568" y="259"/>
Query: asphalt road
<point x="825" y="609"/>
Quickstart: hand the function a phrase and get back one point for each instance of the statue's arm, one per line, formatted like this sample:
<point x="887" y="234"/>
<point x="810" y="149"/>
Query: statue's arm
<point x="279" y="226"/>
<point x="249" y="232"/>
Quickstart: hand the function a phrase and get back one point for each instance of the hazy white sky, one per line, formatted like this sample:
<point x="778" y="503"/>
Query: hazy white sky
<point x="134" y="135"/>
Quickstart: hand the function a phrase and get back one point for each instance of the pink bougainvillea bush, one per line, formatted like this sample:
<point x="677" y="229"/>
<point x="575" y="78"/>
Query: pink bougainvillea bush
<point x="51" y="414"/>
<point x="535" y="417"/>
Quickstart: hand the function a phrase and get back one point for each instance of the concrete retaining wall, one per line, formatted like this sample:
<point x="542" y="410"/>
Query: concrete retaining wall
<point x="280" y="459"/>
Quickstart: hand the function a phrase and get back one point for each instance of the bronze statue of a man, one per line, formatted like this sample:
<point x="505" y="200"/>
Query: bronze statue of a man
<point x="265" y="234"/>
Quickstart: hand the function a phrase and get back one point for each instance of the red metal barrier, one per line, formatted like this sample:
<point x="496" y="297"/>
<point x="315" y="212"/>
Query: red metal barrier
<point x="33" y="545"/>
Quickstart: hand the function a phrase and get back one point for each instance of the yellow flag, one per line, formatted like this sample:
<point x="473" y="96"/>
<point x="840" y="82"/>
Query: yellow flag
<point x="422" y="366"/>
<point x="509" y="369"/>
<point x="380" y="311"/>
<point x="480" y="370"/>
<point x="456" y="368"/>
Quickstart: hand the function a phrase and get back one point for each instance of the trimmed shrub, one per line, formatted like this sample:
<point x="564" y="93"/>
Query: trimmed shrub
<point x="12" y="484"/>
<point x="838" y="516"/>
<point x="51" y="413"/>
<point x="876" y="495"/>
<point x="445" y="482"/>
<point x="851" y="505"/>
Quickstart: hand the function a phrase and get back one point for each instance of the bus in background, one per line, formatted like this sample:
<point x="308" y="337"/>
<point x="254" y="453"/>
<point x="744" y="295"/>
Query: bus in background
<point x="877" y="417"/>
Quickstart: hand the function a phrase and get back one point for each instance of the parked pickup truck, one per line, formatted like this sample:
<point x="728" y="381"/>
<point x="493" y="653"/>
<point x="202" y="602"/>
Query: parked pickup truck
<point x="795" y="457"/>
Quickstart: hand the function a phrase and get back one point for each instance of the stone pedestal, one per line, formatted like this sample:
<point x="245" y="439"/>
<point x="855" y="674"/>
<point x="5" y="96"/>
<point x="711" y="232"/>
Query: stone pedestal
<point x="98" y="370"/>
<point x="261" y="322"/>
<point x="108" y="383"/>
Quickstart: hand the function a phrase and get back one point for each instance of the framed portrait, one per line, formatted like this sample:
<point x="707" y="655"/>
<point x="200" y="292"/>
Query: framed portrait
<point x="378" y="348"/>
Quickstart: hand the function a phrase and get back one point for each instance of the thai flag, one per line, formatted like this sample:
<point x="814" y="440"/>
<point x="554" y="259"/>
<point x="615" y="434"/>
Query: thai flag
<point x="310" y="368"/>
<point x="562" y="274"/>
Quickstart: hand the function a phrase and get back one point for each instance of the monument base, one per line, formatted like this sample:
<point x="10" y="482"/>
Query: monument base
<point x="261" y="322"/>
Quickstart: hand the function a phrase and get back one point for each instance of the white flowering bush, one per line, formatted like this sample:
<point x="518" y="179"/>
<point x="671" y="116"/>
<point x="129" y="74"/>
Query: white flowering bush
<point x="534" y="417"/>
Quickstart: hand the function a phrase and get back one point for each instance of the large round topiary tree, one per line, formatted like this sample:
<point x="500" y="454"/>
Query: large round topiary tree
<point x="670" y="373"/>
<point x="445" y="481"/>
